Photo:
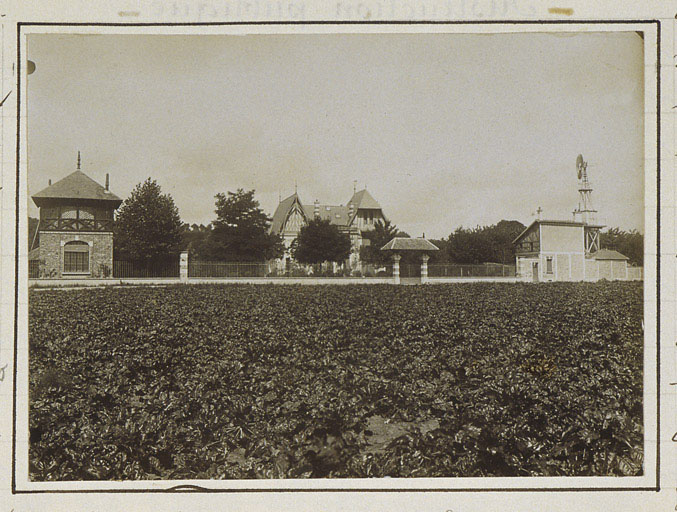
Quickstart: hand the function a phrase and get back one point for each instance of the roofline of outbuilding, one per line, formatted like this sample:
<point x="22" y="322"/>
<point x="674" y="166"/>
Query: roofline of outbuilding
<point x="556" y="223"/>
<point x="44" y="201"/>
<point x="76" y="186"/>
<point x="424" y="244"/>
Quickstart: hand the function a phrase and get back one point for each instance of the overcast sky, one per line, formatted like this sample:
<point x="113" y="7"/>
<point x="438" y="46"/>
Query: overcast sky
<point x="445" y="130"/>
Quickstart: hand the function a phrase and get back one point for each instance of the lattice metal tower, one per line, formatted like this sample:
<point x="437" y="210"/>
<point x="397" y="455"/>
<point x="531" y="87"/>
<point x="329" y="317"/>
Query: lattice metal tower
<point x="585" y="211"/>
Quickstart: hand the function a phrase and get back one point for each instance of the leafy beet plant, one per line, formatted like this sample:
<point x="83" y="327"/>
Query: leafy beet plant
<point x="252" y="381"/>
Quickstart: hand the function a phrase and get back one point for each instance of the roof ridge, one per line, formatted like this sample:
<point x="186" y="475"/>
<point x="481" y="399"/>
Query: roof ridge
<point x="76" y="185"/>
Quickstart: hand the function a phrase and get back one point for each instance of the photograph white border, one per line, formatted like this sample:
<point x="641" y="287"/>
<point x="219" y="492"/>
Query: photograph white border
<point x="499" y="484"/>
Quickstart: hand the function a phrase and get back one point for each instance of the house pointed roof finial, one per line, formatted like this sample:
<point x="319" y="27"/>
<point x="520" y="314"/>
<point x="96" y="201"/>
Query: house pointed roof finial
<point x="78" y="159"/>
<point x="296" y="187"/>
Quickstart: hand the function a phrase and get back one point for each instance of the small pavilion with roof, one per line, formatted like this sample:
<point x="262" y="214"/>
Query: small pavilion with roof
<point x="400" y="245"/>
<point x="75" y="228"/>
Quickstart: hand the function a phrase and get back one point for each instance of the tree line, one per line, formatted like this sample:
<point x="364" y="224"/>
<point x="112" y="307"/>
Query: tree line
<point x="148" y="226"/>
<point x="482" y="244"/>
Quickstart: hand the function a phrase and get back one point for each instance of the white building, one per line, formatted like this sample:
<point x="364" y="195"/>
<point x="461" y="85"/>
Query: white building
<point x="556" y="250"/>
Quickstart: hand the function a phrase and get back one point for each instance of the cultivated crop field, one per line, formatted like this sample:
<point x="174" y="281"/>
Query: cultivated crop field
<point x="273" y="381"/>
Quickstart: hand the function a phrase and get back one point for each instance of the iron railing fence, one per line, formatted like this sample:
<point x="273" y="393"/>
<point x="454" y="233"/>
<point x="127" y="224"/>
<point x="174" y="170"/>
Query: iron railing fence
<point x="455" y="270"/>
<point x="169" y="268"/>
<point x="38" y="270"/>
<point x="33" y="269"/>
<point x="410" y="270"/>
<point x="331" y="270"/>
<point x="369" y="270"/>
<point x="227" y="269"/>
<point x="635" y="273"/>
<point x="161" y="267"/>
<point x="216" y="269"/>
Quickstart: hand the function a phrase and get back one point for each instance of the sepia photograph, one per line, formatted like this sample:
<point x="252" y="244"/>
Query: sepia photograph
<point x="335" y="255"/>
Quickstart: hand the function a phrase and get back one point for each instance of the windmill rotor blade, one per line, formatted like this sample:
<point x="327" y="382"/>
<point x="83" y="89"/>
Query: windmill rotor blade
<point x="5" y="98"/>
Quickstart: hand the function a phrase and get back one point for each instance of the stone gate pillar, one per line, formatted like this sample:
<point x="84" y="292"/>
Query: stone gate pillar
<point x="183" y="266"/>
<point x="396" y="268"/>
<point x="424" y="268"/>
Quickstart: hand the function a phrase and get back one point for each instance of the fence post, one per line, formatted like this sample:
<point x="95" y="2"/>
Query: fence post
<point x="424" y="268"/>
<point x="183" y="266"/>
<point x="396" y="268"/>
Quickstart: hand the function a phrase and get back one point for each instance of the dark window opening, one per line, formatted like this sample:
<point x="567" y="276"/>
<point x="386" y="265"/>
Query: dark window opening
<point x="76" y="257"/>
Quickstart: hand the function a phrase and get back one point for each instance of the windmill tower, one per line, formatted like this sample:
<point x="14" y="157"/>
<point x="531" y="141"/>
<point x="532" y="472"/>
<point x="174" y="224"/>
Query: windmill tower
<point x="585" y="210"/>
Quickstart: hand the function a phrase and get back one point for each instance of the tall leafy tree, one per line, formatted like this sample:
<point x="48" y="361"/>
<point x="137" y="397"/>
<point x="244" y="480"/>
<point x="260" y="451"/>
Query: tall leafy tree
<point x="240" y="231"/>
<point x="383" y="232"/>
<point x="502" y="236"/>
<point x="468" y="246"/>
<point x="193" y="236"/>
<point x="147" y="225"/>
<point x="319" y="241"/>
<point x="628" y="243"/>
<point x="483" y="244"/>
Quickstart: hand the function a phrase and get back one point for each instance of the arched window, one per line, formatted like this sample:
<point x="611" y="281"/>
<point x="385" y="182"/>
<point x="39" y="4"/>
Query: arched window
<point x="76" y="257"/>
<point x="69" y="212"/>
<point x="86" y="213"/>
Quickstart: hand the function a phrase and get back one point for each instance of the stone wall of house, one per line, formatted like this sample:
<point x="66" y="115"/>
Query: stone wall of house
<point x="577" y="267"/>
<point x="562" y="267"/>
<point x="619" y="269"/>
<point x="610" y="270"/>
<point x="100" y="253"/>
<point x="525" y="267"/>
<point x="635" y="273"/>
<point x="591" y="270"/>
<point x="571" y="267"/>
<point x="565" y="266"/>
<point x="561" y="238"/>
<point x="605" y="269"/>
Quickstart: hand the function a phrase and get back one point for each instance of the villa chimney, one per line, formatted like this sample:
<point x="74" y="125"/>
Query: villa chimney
<point x="316" y="209"/>
<point x="107" y="181"/>
<point x="50" y="182"/>
<point x="351" y="208"/>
